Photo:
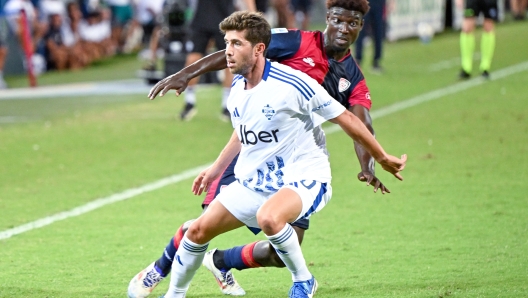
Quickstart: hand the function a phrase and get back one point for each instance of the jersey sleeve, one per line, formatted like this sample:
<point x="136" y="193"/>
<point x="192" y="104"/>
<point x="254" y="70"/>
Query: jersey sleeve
<point x="323" y="106"/>
<point x="284" y="44"/>
<point x="360" y="95"/>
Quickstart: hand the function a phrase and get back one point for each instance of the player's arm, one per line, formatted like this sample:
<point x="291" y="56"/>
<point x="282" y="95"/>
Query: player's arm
<point x="207" y="176"/>
<point x="180" y="80"/>
<point x="366" y="160"/>
<point x="355" y="128"/>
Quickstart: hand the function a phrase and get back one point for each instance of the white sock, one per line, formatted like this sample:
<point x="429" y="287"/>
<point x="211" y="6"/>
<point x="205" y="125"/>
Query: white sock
<point x="190" y="95"/>
<point x="187" y="260"/>
<point x="225" y="95"/>
<point x="287" y="246"/>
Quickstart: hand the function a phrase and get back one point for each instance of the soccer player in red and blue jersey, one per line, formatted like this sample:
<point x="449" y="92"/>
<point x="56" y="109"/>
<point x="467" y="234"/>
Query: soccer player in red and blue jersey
<point x="326" y="58"/>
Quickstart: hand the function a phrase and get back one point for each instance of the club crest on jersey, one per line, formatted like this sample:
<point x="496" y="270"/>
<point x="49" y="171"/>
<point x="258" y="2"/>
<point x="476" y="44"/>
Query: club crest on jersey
<point x="343" y="84"/>
<point x="268" y="111"/>
<point x="309" y="61"/>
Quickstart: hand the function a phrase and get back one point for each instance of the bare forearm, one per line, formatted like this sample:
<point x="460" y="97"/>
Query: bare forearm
<point x="359" y="133"/>
<point x="229" y="152"/>
<point x="213" y="62"/>
<point x="366" y="160"/>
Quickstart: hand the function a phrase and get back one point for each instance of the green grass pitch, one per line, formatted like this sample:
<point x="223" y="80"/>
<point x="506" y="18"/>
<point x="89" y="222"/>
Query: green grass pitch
<point x="457" y="226"/>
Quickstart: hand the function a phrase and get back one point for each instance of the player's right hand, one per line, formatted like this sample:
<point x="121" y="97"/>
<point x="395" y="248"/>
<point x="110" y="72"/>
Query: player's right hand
<point x="177" y="81"/>
<point x="371" y="179"/>
<point x="202" y="182"/>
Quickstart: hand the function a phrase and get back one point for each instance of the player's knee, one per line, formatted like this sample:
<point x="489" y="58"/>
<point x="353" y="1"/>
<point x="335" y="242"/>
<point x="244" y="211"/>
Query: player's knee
<point x="269" y="224"/>
<point x="186" y="225"/>
<point x="197" y="233"/>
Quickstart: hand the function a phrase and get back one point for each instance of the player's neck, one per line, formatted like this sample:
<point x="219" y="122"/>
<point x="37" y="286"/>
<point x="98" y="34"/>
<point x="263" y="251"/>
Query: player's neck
<point x="336" y="55"/>
<point x="254" y="77"/>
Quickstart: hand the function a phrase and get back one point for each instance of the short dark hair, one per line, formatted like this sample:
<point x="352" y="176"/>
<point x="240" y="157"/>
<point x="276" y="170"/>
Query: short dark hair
<point x="356" y="5"/>
<point x="257" y="28"/>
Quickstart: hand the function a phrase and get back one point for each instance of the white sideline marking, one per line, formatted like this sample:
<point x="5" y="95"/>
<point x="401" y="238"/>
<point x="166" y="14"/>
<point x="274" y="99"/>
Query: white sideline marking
<point x="98" y="203"/>
<point x="127" y="194"/>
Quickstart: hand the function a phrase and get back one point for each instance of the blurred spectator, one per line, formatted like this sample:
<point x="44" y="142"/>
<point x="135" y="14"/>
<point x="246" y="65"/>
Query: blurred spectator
<point x="62" y="53"/>
<point x="472" y="9"/>
<point x="374" y="23"/>
<point x="148" y="15"/>
<point x="204" y="29"/>
<point x="301" y="10"/>
<point x="48" y="7"/>
<point x="36" y="29"/>
<point x="518" y="9"/>
<point x="95" y="33"/>
<point x="122" y="21"/>
<point x="285" y="16"/>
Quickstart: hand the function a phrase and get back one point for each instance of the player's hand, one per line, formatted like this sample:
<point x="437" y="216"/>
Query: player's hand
<point x="371" y="179"/>
<point x="177" y="81"/>
<point x="202" y="182"/>
<point x="394" y="165"/>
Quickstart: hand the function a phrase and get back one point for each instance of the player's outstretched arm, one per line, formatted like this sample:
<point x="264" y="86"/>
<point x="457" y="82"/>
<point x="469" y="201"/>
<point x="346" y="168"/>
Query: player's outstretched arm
<point x="207" y="176"/>
<point x="357" y="131"/>
<point x="180" y="80"/>
<point x="366" y="160"/>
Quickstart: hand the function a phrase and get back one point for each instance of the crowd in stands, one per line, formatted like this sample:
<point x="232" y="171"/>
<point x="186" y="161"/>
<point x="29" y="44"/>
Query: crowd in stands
<point x="71" y="34"/>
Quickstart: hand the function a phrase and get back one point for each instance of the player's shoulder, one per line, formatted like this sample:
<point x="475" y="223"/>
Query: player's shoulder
<point x="288" y="79"/>
<point x="284" y="71"/>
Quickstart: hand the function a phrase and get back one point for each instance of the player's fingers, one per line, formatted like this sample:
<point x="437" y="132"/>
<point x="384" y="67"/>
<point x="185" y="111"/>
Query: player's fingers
<point x="404" y="159"/>
<point x="399" y="176"/>
<point x="153" y="92"/>
<point x="377" y="186"/>
<point x="165" y="90"/>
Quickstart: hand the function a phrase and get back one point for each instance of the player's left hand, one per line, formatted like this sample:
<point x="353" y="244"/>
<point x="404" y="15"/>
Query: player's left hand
<point x="371" y="179"/>
<point x="394" y="165"/>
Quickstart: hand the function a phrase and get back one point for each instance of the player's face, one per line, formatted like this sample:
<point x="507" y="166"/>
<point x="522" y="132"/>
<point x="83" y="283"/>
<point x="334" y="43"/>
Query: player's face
<point x="240" y="54"/>
<point x="342" y="28"/>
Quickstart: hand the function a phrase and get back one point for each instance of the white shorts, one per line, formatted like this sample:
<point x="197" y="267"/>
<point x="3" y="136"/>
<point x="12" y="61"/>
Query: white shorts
<point x="244" y="203"/>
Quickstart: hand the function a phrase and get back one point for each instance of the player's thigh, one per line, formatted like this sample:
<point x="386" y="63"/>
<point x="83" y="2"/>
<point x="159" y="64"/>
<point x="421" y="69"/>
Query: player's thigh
<point x="283" y="206"/>
<point x="314" y="196"/>
<point x="214" y="221"/>
<point x="241" y="202"/>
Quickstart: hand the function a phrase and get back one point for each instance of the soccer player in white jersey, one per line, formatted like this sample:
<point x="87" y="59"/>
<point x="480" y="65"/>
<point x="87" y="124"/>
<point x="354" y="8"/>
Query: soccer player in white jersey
<point x="282" y="173"/>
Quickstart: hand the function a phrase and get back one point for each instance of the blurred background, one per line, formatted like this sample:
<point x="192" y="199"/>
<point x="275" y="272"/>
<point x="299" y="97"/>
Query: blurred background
<point x="39" y="36"/>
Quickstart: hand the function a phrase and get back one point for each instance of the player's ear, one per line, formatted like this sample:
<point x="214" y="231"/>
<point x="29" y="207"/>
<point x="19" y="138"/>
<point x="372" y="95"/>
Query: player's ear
<point x="327" y="17"/>
<point x="259" y="48"/>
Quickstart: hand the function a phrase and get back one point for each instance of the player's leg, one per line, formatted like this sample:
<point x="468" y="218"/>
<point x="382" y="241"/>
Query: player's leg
<point x="143" y="283"/>
<point x="146" y="280"/>
<point x="227" y="212"/>
<point x="287" y="205"/>
<point x="487" y="41"/>
<point x="199" y="41"/>
<point x="377" y="11"/>
<point x="228" y="78"/>
<point x="252" y="255"/>
<point x="467" y="37"/>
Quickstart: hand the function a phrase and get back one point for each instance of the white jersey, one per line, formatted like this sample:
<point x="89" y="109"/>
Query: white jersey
<point x="275" y="123"/>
